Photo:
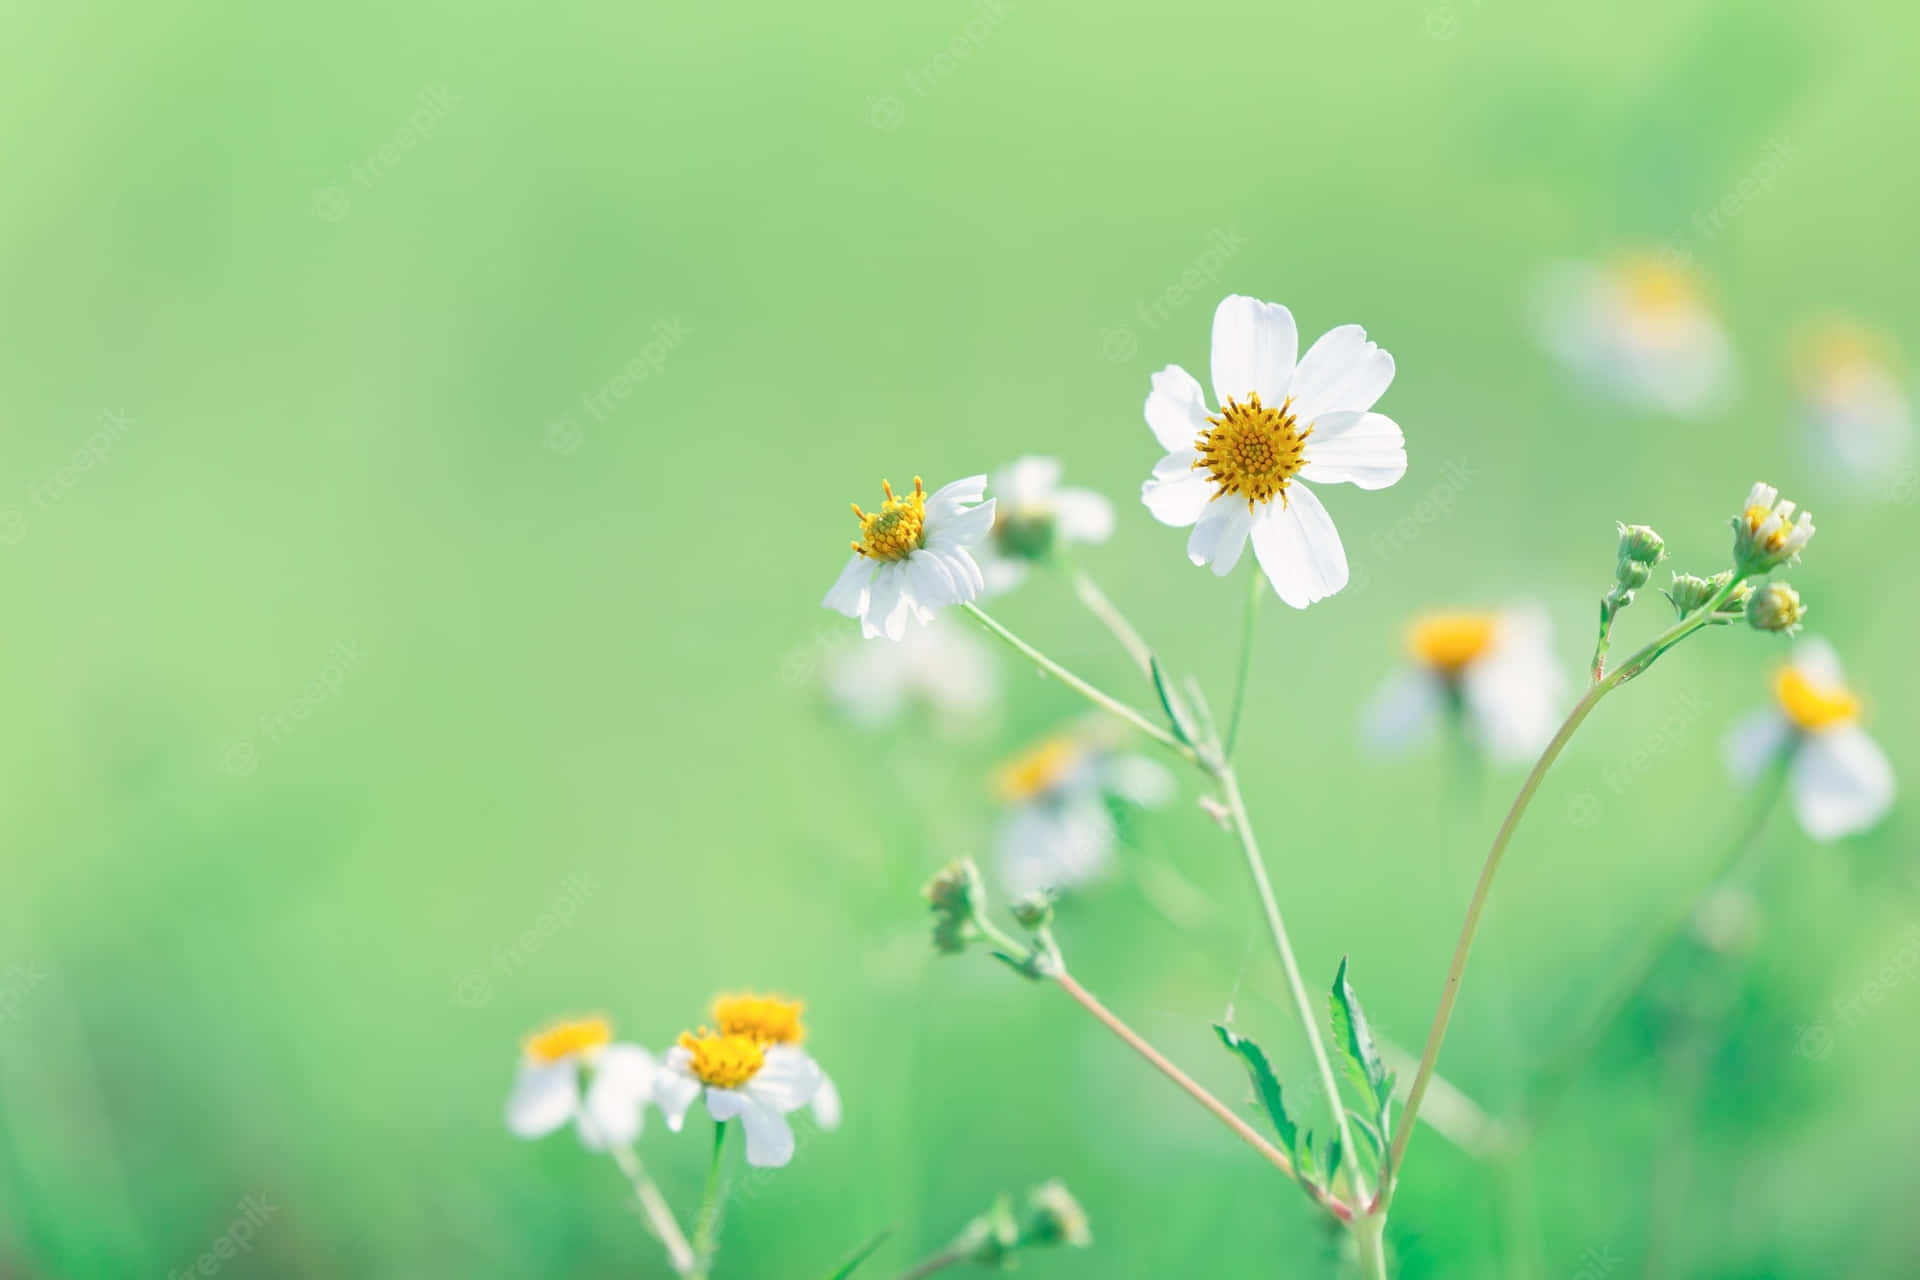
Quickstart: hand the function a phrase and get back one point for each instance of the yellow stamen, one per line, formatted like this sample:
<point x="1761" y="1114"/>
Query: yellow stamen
<point x="1757" y="516"/>
<point x="1252" y="450"/>
<point x="564" y="1039"/>
<point x="1813" y="707"/>
<point x="1037" y="770"/>
<point x="1450" y="642"/>
<point x="897" y="529"/>
<point x="1657" y="282"/>
<point x="723" y="1061"/>
<point x="766" y="1019"/>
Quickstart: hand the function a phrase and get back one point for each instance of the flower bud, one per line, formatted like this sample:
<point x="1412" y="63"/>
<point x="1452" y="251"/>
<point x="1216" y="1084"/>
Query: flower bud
<point x="1689" y="593"/>
<point x="1766" y="533"/>
<point x="993" y="1237"/>
<point x="1640" y="544"/>
<point x="1775" y="607"/>
<point x="955" y="888"/>
<point x="1055" y="1217"/>
<point x="951" y="934"/>
<point x="1034" y="910"/>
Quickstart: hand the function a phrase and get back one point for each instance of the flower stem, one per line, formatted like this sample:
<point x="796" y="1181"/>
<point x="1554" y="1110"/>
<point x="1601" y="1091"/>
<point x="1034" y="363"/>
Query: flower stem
<point x="1224" y="1113"/>
<point x="659" y="1214"/>
<point x="1464" y="947"/>
<point x="1246" y="663"/>
<point x="1110" y="617"/>
<point x="938" y="1262"/>
<point x="1085" y="690"/>
<point x="706" y="1226"/>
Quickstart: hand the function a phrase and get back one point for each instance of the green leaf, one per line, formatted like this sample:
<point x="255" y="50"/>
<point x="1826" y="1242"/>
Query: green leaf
<point x="1170" y="702"/>
<point x="860" y="1255"/>
<point x="1334" y="1153"/>
<point x="1364" y="1068"/>
<point x="1266" y="1085"/>
<point x="1303" y="1161"/>
<point x="1371" y="1134"/>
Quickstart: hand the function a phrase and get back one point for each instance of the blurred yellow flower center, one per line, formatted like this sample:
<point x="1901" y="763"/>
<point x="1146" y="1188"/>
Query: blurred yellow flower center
<point x="1037" y="771"/>
<point x="760" y="1018"/>
<point x="1450" y="642"/>
<point x="1812" y="707"/>
<point x="897" y="529"/>
<point x="1757" y="516"/>
<point x="1656" y="283"/>
<point x="1252" y="450"/>
<point x="564" y="1039"/>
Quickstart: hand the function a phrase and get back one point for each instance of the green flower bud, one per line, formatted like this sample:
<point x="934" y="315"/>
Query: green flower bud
<point x="1630" y="575"/>
<point x="1055" y="1217"/>
<point x="1026" y="535"/>
<point x="1766" y="533"/>
<point x="1640" y="544"/>
<point x="952" y="933"/>
<point x="1034" y="910"/>
<point x="1776" y="607"/>
<point x="955" y="888"/>
<point x="1689" y="593"/>
<point x="991" y="1239"/>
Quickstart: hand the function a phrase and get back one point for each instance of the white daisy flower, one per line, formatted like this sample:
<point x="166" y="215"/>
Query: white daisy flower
<point x="1856" y="410"/>
<point x="1840" y="780"/>
<point x="770" y="1021"/>
<point x="741" y="1079"/>
<point x="913" y="557"/>
<point x="1639" y="331"/>
<point x="1497" y="669"/>
<point x="547" y="1093"/>
<point x="945" y="665"/>
<point x="1241" y="474"/>
<point x="1035" y="518"/>
<point x="1057" y="831"/>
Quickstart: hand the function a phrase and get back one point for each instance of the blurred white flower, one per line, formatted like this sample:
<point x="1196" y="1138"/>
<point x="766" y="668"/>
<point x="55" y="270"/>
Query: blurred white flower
<point x="944" y="664"/>
<point x="1497" y="670"/>
<point x="741" y="1079"/>
<point x="1056" y="830"/>
<point x="1840" y="780"/>
<point x="1036" y="517"/>
<point x="1639" y="331"/>
<point x="1242" y="474"/>
<point x="770" y="1020"/>
<point x="913" y="557"/>
<point x="1855" y="407"/>
<point x="547" y="1094"/>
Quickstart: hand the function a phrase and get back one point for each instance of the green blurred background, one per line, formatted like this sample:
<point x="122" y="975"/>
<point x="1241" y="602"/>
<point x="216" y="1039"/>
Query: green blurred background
<point x="487" y="392"/>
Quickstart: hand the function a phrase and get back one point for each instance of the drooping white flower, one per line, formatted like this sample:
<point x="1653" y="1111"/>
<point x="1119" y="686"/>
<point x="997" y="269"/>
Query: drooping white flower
<point x="547" y="1093"/>
<point x="914" y="557"/>
<point x="1497" y="669"/>
<point x="1840" y="780"/>
<point x="1035" y="517"/>
<point x="1056" y="830"/>
<point x="1857" y="413"/>
<point x="1242" y="474"/>
<point x="769" y="1020"/>
<point x="1637" y="331"/>
<point x="945" y="665"/>
<point x="740" y="1079"/>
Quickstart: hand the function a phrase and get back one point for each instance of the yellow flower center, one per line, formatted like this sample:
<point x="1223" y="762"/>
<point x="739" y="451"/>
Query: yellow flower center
<point x="897" y="529"/>
<point x="1812" y="707"/>
<point x="1757" y="516"/>
<point x="1450" y="642"/>
<point x="723" y="1061"/>
<point x="765" y="1019"/>
<point x="564" y="1039"/>
<point x="1658" y="283"/>
<point x="1037" y="771"/>
<point x="1252" y="450"/>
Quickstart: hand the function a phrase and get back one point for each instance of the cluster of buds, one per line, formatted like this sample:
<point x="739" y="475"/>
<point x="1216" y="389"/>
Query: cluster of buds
<point x="1640" y="549"/>
<point x="958" y="898"/>
<point x="1767" y="534"/>
<point x="1690" y="592"/>
<point x="955" y="894"/>
<point x="1049" y="1216"/>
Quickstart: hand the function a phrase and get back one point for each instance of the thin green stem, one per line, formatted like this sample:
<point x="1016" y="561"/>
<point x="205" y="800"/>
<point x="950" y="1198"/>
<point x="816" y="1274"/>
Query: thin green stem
<point x="660" y="1219"/>
<point x="1084" y="689"/>
<point x="1369" y="1235"/>
<point x="1246" y="663"/>
<point x="706" y="1226"/>
<point x="1111" y="618"/>
<point x="1450" y="992"/>
<point x="938" y="1262"/>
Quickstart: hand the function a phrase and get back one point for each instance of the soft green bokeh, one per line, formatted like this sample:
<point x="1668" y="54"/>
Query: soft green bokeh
<point x="247" y="927"/>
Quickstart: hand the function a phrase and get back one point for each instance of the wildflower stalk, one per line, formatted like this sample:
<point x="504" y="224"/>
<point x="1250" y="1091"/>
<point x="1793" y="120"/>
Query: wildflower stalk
<point x="1246" y="663"/>
<point x="1111" y="618"/>
<point x="937" y="1263"/>
<point x="706" y="1226"/>
<point x="660" y="1219"/>
<point x="1450" y="992"/>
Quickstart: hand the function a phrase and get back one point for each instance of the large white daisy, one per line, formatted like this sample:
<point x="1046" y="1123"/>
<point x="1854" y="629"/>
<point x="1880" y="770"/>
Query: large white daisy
<point x="1841" y="781"/>
<point x="547" y="1092"/>
<point x="913" y="557"/>
<point x="1056" y="830"/>
<point x="771" y="1020"/>
<point x="741" y="1079"/>
<point x="1241" y="474"/>
<point x="1498" y="670"/>
<point x="1035" y="517"/>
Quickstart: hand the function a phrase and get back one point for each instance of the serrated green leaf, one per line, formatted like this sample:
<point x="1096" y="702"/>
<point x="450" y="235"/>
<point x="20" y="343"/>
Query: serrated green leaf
<point x="1177" y="714"/>
<point x="1364" y="1068"/>
<point x="860" y="1255"/>
<point x="1334" y="1153"/>
<point x="1303" y="1161"/>
<point x="1266" y="1085"/>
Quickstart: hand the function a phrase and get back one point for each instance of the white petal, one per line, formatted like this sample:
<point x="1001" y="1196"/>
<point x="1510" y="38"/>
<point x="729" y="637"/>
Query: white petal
<point x="787" y="1080"/>
<point x="1058" y="844"/>
<point x="948" y="500"/>
<point x="1340" y="371"/>
<point x="930" y="580"/>
<point x="1753" y="743"/>
<point x="960" y="528"/>
<point x="1842" y="783"/>
<point x="1347" y="446"/>
<point x="1402" y="711"/>
<point x="1138" y="780"/>
<point x="1300" y="549"/>
<point x="848" y="594"/>
<point x="545" y="1096"/>
<point x="1515" y="696"/>
<point x="1028" y="481"/>
<point x="1221" y="535"/>
<point x="1083" y="515"/>
<point x="1815" y="659"/>
<point x="622" y="1083"/>
<point x="826" y="1104"/>
<point x="769" y="1136"/>
<point x="1176" y="408"/>
<point x="675" y="1088"/>
<point x="1254" y="344"/>
<point x="1180" y="497"/>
